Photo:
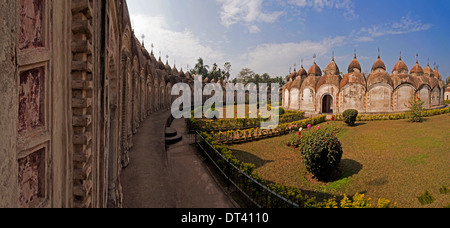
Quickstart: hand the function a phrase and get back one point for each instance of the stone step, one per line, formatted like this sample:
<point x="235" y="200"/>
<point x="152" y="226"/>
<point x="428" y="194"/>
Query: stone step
<point x="174" y="139"/>
<point x="170" y="132"/>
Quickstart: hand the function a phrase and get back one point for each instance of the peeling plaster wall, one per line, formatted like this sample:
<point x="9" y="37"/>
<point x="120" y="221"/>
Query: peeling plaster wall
<point x="379" y="99"/>
<point x="8" y="106"/>
<point x="353" y="97"/>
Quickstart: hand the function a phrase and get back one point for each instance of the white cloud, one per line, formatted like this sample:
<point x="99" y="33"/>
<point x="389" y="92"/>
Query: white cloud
<point x="405" y="25"/>
<point x="275" y="59"/>
<point x="319" y="5"/>
<point x="247" y="12"/>
<point x="183" y="47"/>
<point x="254" y="29"/>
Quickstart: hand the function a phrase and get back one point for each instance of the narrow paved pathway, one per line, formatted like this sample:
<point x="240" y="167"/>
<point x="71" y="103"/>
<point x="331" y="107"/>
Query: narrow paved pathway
<point x="176" y="179"/>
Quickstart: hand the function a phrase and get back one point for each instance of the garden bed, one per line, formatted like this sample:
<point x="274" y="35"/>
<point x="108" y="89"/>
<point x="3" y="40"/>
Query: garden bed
<point x="397" y="160"/>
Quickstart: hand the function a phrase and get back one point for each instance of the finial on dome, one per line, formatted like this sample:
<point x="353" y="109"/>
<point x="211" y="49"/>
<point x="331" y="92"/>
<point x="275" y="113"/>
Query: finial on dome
<point x="332" y="59"/>
<point x="428" y="62"/>
<point x="314" y="56"/>
<point x="302" y="62"/>
<point x="355" y="54"/>
<point x="417" y="58"/>
<point x="400" y="56"/>
<point x="379" y="53"/>
<point x="143" y="37"/>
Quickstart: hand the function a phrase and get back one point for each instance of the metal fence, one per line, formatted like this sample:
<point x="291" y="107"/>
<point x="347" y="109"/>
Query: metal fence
<point x="255" y="194"/>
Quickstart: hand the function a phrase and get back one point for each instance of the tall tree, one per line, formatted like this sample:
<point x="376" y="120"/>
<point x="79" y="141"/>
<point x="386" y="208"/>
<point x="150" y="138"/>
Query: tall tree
<point x="200" y="68"/>
<point x="245" y="76"/>
<point x="227" y="69"/>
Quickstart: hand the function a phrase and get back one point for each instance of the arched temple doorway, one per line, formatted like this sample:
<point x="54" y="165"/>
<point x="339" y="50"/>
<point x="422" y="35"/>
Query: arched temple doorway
<point x="327" y="104"/>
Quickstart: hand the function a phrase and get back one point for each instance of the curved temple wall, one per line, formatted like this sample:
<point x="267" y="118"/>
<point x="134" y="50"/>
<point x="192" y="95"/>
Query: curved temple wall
<point x="377" y="92"/>
<point x="76" y="83"/>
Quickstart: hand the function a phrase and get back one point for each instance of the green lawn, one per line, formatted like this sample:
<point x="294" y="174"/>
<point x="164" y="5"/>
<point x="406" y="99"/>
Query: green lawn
<point x="396" y="160"/>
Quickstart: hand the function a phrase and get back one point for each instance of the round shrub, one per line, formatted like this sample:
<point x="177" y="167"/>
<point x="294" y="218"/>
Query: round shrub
<point x="279" y="111"/>
<point x="350" y="116"/>
<point x="321" y="152"/>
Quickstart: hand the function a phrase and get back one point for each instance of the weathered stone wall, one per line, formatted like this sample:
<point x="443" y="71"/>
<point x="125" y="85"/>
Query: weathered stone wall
<point x="308" y="100"/>
<point x="8" y="117"/>
<point x="353" y="97"/>
<point x="377" y="93"/>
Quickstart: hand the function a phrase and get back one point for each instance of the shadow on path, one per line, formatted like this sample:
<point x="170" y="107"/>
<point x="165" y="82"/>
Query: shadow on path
<point x="176" y="179"/>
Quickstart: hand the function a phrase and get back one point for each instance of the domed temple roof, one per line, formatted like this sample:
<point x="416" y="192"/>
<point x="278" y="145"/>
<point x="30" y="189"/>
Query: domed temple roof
<point x="332" y="68"/>
<point x="310" y="81"/>
<point x="288" y="85"/>
<point x="378" y="76"/>
<point x="378" y="64"/>
<point x="437" y="74"/>
<point x="188" y="74"/>
<point x="315" y="70"/>
<point x="353" y="78"/>
<point x="167" y="67"/>
<point x="161" y="64"/>
<point x="327" y="79"/>
<point x="400" y="67"/>
<point x="181" y="73"/>
<point x="428" y="71"/>
<point x="175" y="71"/>
<point x="292" y="76"/>
<point x="302" y="72"/>
<point x="417" y="69"/>
<point x="296" y="84"/>
<point x="354" y="65"/>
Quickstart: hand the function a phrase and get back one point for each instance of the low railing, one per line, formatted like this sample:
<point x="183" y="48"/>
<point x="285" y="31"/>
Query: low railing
<point x="254" y="192"/>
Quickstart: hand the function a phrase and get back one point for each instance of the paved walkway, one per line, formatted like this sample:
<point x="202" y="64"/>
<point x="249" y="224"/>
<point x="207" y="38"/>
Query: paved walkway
<point x="176" y="179"/>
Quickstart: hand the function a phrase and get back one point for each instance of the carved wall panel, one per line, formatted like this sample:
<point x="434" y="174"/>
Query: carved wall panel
<point x="32" y="179"/>
<point x="31" y="99"/>
<point x="31" y="34"/>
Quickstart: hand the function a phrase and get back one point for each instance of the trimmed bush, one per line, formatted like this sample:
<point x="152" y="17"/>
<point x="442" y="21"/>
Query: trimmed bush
<point x="321" y="152"/>
<point x="426" y="198"/>
<point x="350" y="116"/>
<point x="279" y="111"/>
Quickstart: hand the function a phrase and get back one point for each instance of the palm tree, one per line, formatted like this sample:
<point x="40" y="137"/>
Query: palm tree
<point x="200" y="68"/>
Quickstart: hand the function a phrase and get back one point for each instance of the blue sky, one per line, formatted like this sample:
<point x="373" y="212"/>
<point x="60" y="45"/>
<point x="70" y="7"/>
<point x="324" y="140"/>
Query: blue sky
<point x="270" y="36"/>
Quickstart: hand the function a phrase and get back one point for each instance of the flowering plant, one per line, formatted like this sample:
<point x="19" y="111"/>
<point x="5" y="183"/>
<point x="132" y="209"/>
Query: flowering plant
<point x="416" y="109"/>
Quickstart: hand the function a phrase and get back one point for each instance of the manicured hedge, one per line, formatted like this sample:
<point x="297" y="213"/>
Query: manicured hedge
<point x="393" y="116"/>
<point x="239" y="123"/>
<point x="248" y="135"/>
